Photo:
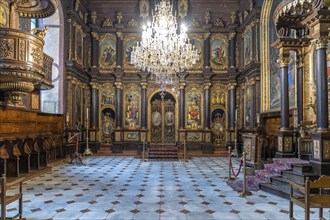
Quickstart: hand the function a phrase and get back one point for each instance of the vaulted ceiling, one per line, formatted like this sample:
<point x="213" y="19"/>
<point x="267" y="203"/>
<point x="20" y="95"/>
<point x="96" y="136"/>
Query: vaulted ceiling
<point x="130" y="8"/>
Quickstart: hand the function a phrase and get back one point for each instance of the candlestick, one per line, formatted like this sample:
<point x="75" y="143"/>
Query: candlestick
<point x="87" y="115"/>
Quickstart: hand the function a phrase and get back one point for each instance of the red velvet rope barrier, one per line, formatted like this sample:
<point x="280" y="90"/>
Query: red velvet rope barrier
<point x="232" y="169"/>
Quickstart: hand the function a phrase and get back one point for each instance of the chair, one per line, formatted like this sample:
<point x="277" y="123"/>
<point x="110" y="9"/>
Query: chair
<point x="7" y="199"/>
<point x="312" y="195"/>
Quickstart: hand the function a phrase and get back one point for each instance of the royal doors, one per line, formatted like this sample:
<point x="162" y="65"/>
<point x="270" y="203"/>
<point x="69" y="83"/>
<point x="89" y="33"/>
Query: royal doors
<point x="162" y="118"/>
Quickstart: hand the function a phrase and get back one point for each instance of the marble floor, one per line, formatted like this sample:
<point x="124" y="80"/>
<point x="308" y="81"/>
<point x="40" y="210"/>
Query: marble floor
<point x="126" y="188"/>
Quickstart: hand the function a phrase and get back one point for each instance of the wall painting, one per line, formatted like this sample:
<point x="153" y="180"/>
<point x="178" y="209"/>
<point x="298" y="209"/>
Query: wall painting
<point x="248" y="45"/>
<point x="197" y="41"/>
<point x="130" y="41"/>
<point x="219" y="52"/>
<point x="107" y="51"/>
<point x="132" y="105"/>
<point x="194" y="108"/>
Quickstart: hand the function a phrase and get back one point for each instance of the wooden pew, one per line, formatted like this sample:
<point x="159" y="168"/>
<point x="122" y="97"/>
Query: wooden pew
<point x="312" y="195"/>
<point x="7" y="199"/>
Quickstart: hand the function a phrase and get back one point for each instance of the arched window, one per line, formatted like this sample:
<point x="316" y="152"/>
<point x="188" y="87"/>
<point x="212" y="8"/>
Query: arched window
<point x="52" y="100"/>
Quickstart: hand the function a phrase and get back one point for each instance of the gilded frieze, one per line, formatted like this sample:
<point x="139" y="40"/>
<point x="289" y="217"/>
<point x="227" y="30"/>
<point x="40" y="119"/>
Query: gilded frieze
<point x="129" y="42"/>
<point x="219" y="52"/>
<point x="107" y="51"/>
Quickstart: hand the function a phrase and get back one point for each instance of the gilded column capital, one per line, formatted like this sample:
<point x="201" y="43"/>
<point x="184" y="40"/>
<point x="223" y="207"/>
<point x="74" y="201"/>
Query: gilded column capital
<point x="231" y="86"/>
<point x="182" y="85"/>
<point x="75" y="81"/>
<point x="321" y="42"/>
<point x="206" y="35"/>
<point x="94" y="85"/>
<point x="231" y="35"/>
<point x="120" y="35"/>
<point x="119" y="85"/>
<point x="95" y="35"/>
<point x="207" y="86"/>
<point x="283" y="59"/>
<point x="144" y="85"/>
<point x="300" y="62"/>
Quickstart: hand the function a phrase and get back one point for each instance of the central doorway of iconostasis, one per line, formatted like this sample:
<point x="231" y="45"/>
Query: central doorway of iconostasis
<point x="162" y="119"/>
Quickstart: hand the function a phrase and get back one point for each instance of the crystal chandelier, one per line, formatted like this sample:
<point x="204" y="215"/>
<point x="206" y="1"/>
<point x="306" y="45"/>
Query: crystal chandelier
<point x="162" y="51"/>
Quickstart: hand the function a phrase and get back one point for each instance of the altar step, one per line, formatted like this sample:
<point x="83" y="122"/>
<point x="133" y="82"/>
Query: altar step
<point x="163" y="153"/>
<point x="279" y="185"/>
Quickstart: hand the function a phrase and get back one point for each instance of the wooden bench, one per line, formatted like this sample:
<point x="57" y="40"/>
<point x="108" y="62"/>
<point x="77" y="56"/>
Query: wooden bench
<point x="7" y="199"/>
<point x="311" y="195"/>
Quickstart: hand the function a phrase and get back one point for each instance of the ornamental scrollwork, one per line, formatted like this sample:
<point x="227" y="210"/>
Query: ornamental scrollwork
<point x="37" y="55"/>
<point x="6" y="48"/>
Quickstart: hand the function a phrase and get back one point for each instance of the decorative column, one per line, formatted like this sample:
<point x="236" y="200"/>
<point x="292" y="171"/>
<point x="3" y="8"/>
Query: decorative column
<point x="119" y="102"/>
<point x="232" y="50"/>
<point x="207" y="50"/>
<point x="95" y="49"/>
<point x="300" y="89"/>
<point x="285" y="135"/>
<point x="119" y="57"/>
<point x="321" y="138"/>
<point x="232" y="105"/>
<point x="94" y="112"/>
<point x="207" y="105"/>
<point x="181" y="105"/>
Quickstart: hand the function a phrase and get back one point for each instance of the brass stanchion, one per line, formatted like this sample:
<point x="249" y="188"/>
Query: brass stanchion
<point x="244" y="193"/>
<point x="87" y="151"/>
<point x="229" y="178"/>
<point x="184" y="150"/>
<point x="143" y="150"/>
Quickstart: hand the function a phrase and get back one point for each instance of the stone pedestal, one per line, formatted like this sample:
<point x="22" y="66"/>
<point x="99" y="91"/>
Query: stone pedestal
<point x="285" y="144"/>
<point x="321" y="152"/>
<point x="252" y="148"/>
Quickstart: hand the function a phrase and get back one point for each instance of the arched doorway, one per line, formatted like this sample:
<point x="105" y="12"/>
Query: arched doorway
<point x="162" y="118"/>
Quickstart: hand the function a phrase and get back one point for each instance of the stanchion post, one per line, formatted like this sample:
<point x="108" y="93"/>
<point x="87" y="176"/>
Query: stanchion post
<point x="184" y="150"/>
<point x="143" y="149"/>
<point x="244" y="193"/>
<point x="229" y="178"/>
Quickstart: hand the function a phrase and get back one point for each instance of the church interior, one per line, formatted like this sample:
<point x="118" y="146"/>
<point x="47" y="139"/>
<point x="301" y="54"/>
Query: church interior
<point x="165" y="109"/>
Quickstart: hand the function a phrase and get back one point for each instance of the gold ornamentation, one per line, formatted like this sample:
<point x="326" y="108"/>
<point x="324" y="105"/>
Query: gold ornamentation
<point x="6" y="48"/>
<point x="40" y="33"/>
<point x="231" y="86"/>
<point x="207" y="17"/>
<point x="107" y="23"/>
<point x="317" y="150"/>
<point x="132" y="23"/>
<point x="120" y="35"/>
<point x="206" y="35"/>
<point x="95" y="35"/>
<point x="233" y="17"/>
<point x="22" y="49"/>
<point x="280" y="144"/>
<point x="94" y="17"/>
<point x="77" y="5"/>
<point x="326" y="149"/>
<point x="287" y="144"/>
<point x="119" y="17"/>
<point x="144" y="85"/>
<point x="219" y="23"/>
<point x="3" y="16"/>
<point x="231" y="35"/>
<point x="119" y="85"/>
<point x="321" y="42"/>
<point x="37" y="55"/>
<point x="35" y="101"/>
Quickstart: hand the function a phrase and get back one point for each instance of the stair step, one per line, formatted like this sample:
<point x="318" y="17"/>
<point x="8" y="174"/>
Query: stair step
<point x="302" y="168"/>
<point x="275" y="190"/>
<point x="298" y="177"/>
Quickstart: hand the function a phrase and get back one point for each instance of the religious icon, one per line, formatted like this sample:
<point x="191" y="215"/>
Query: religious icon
<point x="132" y="104"/>
<point x="79" y="46"/>
<point x="194" y="109"/>
<point x="144" y="9"/>
<point x="183" y="8"/>
<point x="248" y="47"/>
<point x="219" y="52"/>
<point x="108" y="51"/>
